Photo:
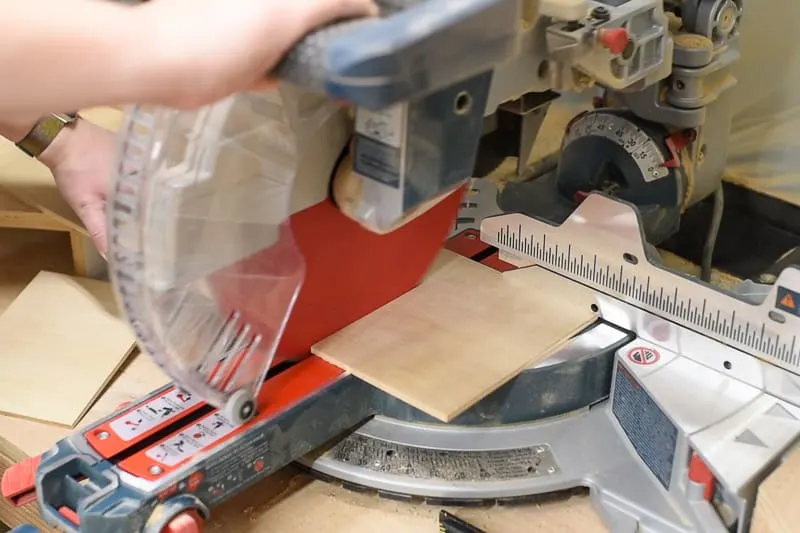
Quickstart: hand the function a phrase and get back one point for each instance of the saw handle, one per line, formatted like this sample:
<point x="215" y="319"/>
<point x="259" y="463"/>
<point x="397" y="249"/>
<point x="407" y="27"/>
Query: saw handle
<point x="414" y="48"/>
<point x="305" y="65"/>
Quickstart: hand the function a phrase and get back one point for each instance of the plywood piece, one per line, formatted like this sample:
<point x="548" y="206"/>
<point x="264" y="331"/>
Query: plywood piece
<point x="776" y="510"/>
<point x="63" y="341"/>
<point x="462" y="333"/>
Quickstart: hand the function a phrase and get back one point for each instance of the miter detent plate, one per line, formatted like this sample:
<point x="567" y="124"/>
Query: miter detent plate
<point x="498" y="450"/>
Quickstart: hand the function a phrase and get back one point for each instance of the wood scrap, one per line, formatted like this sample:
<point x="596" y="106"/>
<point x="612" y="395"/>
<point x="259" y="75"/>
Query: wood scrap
<point x="775" y="510"/>
<point x="63" y="341"/>
<point x="461" y="334"/>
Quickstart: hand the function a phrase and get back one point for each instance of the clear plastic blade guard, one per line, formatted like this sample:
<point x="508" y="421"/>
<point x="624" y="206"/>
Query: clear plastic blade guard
<point x="201" y="254"/>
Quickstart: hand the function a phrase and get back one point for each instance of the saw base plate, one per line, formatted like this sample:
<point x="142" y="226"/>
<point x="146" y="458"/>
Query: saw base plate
<point x="488" y="454"/>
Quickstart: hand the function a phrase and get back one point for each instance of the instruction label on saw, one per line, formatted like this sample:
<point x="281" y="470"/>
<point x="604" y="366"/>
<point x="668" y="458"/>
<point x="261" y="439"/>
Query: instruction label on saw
<point x="648" y="429"/>
<point x="153" y="413"/>
<point x="378" y="145"/>
<point x="191" y="440"/>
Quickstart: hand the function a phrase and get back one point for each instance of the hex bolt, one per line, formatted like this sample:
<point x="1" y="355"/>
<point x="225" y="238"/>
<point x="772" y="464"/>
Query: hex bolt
<point x="601" y="14"/>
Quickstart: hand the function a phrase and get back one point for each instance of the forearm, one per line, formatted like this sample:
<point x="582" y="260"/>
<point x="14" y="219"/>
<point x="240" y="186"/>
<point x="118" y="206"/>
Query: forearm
<point x="61" y="55"/>
<point x="15" y="130"/>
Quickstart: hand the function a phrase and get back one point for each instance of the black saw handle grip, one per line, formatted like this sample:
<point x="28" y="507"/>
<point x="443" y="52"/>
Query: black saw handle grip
<point x="305" y="64"/>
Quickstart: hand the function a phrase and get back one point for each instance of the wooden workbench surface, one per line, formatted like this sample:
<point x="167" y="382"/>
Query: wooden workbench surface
<point x="286" y="502"/>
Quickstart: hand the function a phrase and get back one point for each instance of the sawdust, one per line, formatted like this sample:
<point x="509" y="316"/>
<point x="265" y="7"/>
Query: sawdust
<point x="719" y="278"/>
<point x="290" y="501"/>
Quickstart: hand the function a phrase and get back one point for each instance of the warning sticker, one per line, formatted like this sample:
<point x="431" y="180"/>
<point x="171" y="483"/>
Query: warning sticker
<point x="643" y="355"/>
<point x="788" y="301"/>
<point x="377" y="161"/>
<point x="384" y="125"/>
<point x="188" y="442"/>
<point x="648" y="429"/>
<point x="147" y="416"/>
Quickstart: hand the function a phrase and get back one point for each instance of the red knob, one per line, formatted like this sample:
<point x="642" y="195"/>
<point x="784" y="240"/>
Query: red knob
<point x="615" y="40"/>
<point x="186" y="522"/>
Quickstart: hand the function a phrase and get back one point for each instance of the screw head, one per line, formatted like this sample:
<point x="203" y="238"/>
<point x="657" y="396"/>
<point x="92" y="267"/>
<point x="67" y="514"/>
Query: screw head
<point x="103" y="435"/>
<point x="155" y="470"/>
<point x="247" y="410"/>
<point x="601" y="14"/>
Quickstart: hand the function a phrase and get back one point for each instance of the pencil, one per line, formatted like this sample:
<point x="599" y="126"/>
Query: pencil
<point x="449" y="523"/>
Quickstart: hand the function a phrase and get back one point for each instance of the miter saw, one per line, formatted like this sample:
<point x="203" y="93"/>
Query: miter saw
<point x="242" y="233"/>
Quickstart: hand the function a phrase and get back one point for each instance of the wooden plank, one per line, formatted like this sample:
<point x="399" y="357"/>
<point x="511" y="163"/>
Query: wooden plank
<point x="23" y="253"/>
<point x="22" y="220"/>
<point x="461" y="334"/>
<point x="63" y="341"/>
<point x="15" y="213"/>
<point x="10" y="203"/>
<point x="776" y="510"/>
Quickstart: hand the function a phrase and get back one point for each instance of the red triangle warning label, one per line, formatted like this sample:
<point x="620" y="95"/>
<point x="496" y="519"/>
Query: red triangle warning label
<point x="788" y="301"/>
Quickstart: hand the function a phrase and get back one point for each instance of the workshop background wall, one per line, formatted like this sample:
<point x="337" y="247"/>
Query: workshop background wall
<point x="765" y="146"/>
<point x="768" y="71"/>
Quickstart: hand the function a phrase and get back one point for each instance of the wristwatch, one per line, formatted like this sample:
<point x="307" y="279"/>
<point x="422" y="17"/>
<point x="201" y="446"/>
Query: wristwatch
<point x="45" y="131"/>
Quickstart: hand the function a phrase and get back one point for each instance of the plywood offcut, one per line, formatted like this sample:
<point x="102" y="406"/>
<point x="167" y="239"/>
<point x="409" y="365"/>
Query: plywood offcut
<point x="61" y="342"/>
<point x="462" y="333"/>
<point x="776" y="509"/>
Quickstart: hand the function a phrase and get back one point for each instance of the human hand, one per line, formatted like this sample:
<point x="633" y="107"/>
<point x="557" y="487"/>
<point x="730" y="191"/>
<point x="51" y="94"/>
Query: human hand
<point x="81" y="160"/>
<point x="215" y="48"/>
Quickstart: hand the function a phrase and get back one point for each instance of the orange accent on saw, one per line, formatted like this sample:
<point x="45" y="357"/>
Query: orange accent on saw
<point x="677" y="142"/>
<point x="468" y="243"/>
<point x="69" y="514"/>
<point x="701" y="474"/>
<point x="615" y="40"/>
<point x="111" y="443"/>
<point x="278" y="394"/>
<point x="187" y="522"/>
<point x="494" y="261"/>
<point x="19" y="482"/>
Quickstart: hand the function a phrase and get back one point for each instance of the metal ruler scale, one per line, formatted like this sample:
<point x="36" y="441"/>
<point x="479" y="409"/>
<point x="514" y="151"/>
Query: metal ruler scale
<point x="601" y="246"/>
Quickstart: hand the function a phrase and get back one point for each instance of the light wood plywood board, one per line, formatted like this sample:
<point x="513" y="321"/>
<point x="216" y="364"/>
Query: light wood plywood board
<point x="462" y="333"/>
<point x="62" y="342"/>
<point x="776" y="509"/>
